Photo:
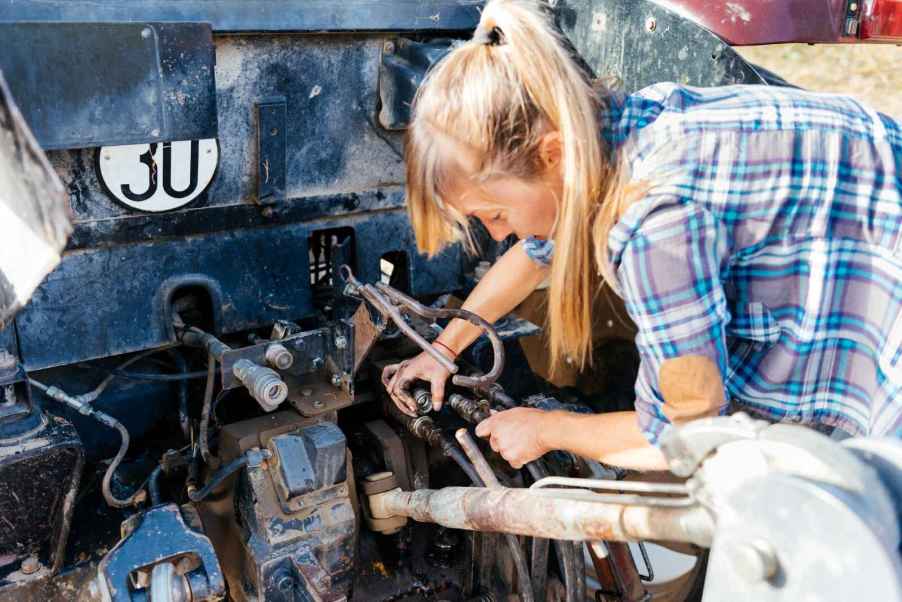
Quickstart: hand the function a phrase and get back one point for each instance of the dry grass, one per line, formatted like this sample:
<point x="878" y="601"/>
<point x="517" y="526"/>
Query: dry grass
<point x="870" y="73"/>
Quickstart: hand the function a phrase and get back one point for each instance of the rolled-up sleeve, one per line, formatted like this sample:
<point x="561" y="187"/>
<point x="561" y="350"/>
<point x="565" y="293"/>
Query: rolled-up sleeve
<point x="668" y="255"/>
<point x="540" y="251"/>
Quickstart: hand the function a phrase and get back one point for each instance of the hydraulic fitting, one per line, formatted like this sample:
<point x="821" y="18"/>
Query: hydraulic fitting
<point x="279" y="357"/>
<point x="470" y="410"/>
<point x="264" y="384"/>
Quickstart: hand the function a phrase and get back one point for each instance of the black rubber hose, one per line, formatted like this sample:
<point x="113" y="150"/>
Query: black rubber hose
<point x="182" y="366"/>
<point x="153" y="486"/>
<point x="526" y="585"/>
<point x="153" y="376"/>
<point x="218" y="477"/>
<point x="540" y="547"/>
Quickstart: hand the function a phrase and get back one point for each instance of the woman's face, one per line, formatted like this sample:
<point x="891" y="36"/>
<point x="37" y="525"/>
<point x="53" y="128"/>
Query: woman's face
<point x="508" y="205"/>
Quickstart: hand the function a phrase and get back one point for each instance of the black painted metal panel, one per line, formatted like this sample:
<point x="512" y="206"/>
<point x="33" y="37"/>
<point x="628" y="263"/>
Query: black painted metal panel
<point x="637" y="43"/>
<point x="92" y="84"/>
<point x="261" y="15"/>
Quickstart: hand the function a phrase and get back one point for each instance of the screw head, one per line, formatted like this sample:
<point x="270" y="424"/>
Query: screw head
<point x="651" y="24"/>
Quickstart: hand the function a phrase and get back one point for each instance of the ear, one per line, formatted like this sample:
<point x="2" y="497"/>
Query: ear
<point x="551" y="150"/>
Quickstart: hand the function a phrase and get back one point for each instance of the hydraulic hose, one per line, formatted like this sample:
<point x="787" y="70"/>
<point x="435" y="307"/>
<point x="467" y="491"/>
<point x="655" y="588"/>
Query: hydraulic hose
<point x="153" y="486"/>
<point x="198" y="495"/>
<point x="182" y="366"/>
<point x="513" y="543"/>
<point x="107" y="420"/>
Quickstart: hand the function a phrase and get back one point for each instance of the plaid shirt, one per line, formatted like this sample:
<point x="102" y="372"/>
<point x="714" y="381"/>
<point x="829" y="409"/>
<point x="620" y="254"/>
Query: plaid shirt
<point x="770" y="241"/>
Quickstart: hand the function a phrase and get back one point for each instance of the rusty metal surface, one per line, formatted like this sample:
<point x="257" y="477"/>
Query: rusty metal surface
<point x="748" y="22"/>
<point x="542" y="514"/>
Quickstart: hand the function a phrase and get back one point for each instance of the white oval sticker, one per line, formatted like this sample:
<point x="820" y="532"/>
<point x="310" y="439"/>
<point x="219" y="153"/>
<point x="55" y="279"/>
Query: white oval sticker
<point x="160" y="176"/>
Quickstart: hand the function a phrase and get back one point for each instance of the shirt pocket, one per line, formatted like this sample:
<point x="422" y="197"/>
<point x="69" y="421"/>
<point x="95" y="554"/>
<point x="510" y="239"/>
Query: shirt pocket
<point x="754" y="322"/>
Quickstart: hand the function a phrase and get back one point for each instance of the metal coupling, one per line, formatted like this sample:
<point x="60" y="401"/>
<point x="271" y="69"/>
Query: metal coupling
<point x="423" y="399"/>
<point x="469" y="409"/>
<point x="279" y="357"/>
<point x="264" y="384"/>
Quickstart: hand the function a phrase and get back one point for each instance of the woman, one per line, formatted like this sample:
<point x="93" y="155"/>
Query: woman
<point x="754" y="233"/>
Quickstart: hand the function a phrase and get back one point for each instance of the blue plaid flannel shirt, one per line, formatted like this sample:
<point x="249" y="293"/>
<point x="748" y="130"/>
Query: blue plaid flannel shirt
<point x="770" y="241"/>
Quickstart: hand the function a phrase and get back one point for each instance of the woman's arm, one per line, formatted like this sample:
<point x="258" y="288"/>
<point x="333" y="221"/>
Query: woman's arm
<point x="513" y="277"/>
<point x="521" y="435"/>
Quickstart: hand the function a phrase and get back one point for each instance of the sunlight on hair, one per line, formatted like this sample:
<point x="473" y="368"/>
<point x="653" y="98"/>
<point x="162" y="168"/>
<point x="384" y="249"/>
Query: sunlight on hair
<point x="493" y="98"/>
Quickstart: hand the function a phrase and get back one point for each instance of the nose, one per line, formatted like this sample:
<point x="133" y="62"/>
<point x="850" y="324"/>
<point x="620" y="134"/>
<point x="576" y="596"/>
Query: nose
<point x="498" y="232"/>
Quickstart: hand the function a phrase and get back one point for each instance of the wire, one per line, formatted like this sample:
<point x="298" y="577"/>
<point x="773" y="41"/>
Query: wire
<point x="205" y="412"/>
<point x="107" y="420"/>
<point x="152" y="376"/>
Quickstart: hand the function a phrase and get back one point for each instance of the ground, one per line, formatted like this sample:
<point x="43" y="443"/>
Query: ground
<point x="870" y="73"/>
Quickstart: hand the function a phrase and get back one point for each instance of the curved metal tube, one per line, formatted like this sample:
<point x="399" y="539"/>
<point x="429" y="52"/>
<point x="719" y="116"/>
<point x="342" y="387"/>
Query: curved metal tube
<point x="391" y="303"/>
<point x="107" y="420"/>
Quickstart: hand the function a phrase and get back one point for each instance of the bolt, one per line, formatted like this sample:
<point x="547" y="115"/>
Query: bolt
<point x="754" y="561"/>
<point x="336" y="380"/>
<point x="388" y="48"/>
<point x="651" y="24"/>
<point x="341" y="341"/>
<point x="30" y="565"/>
<point x="7" y="361"/>
<point x="146" y="33"/>
<point x="342" y="491"/>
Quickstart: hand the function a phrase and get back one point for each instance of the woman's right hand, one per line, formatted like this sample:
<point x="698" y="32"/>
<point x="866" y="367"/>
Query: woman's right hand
<point x="397" y="379"/>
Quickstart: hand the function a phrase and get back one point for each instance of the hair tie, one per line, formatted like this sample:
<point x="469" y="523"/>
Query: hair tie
<point x="489" y="37"/>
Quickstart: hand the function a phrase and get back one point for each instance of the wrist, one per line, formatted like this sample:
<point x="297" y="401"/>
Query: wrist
<point x="445" y="349"/>
<point x="549" y="425"/>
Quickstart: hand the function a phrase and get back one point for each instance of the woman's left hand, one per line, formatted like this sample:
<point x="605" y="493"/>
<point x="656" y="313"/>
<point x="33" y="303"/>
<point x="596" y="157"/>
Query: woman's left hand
<point x="516" y="434"/>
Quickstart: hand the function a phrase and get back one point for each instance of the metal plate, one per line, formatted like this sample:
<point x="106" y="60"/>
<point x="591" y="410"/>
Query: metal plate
<point x="261" y="15"/>
<point x="639" y="43"/>
<point x="156" y="84"/>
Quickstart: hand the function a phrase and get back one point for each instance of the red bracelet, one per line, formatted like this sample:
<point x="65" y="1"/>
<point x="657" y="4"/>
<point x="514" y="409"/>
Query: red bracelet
<point x="454" y="353"/>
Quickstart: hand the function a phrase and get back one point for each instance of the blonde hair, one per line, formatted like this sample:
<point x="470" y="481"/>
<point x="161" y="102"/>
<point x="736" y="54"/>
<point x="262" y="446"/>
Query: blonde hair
<point x="492" y="99"/>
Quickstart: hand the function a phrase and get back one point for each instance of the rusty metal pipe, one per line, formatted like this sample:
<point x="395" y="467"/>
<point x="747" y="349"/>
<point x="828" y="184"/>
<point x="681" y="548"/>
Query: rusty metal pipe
<point x="541" y="514"/>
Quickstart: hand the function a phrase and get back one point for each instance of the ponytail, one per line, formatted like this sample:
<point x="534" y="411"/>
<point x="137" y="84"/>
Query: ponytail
<point x="491" y="100"/>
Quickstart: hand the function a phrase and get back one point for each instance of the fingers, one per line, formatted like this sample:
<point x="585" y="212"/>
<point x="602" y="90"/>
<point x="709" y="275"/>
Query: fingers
<point x="397" y="379"/>
<point x="484" y="428"/>
<point x="437" y="386"/>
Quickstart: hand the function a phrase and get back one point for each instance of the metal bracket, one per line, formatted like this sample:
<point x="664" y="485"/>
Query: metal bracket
<point x="271" y="150"/>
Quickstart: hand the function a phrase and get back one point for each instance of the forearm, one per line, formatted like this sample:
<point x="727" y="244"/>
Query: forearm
<point x="513" y="277"/>
<point x="613" y="438"/>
